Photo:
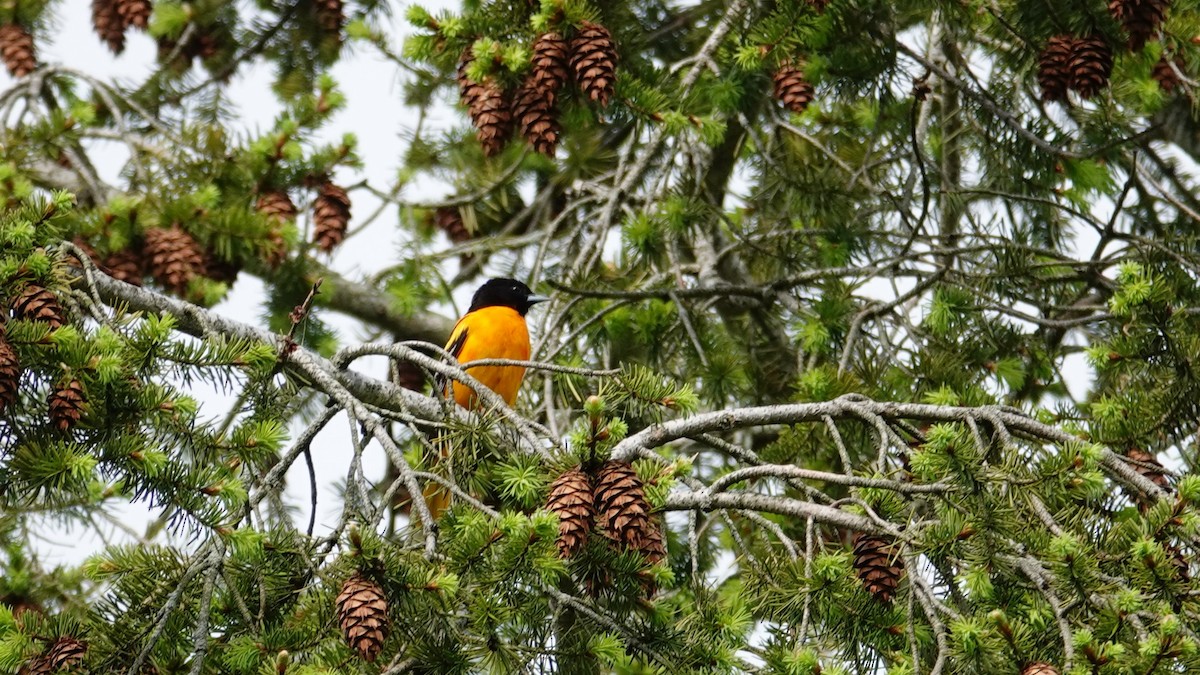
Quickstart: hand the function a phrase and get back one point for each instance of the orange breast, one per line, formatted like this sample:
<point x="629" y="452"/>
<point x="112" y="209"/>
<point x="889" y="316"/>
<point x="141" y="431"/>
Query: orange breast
<point x="492" y="333"/>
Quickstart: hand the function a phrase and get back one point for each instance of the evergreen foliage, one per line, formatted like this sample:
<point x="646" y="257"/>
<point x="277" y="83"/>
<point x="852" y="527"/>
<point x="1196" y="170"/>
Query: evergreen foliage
<point x="874" y="343"/>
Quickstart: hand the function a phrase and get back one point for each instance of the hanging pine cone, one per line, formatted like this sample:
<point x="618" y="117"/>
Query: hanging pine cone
<point x="622" y="514"/>
<point x="492" y="118"/>
<point x="124" y="265"/>
<point x="362" y="612"/>
<point x="572" y="500"/>
<point x="63" y="655"/>
<point x="408" y="375"/>
<point x="791" y="88"/>
<point x="109" y="25"/>
<point x="594" y="62"/>
<point x="449" y="220"/>
<point x="330" y="16"/>
<point x="537" y="119"/>
<point x="66" y="405"/>
<point x="10" y="372"/>
<point x="1139" y="18"/>
<point x="879" y="565"/>
<point x="469" y="91"/>
<point x="331" y="216"/>
<point x="1039" y="668"/>
<point x="37" y="303"/>
<point x="221" y="269"/>
<point x="173" y="257"/>
<point x="276" y="205"/>
<point x="135" y="13"/>
<point x="1165" y="74"/>
<point x="1091" y="65"/>
<point x="1152" y="469"/>
<point x="549" y="71"/>
<point x="16" y="48"/>
<point x="1054" y="67"/>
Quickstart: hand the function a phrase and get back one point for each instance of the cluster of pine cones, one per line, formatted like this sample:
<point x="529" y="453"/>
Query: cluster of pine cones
<point x="111" y="18"/>
<point x="1084" y="64"/>
<point x="612" y="501"/>
<point x="173" y="258"/>
<point x="591" y="56"/>
<point x="66" y="400"/>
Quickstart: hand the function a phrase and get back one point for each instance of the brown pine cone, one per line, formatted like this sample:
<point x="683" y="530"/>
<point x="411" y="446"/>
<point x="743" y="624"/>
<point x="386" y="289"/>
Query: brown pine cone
<point x="362" y="613"/>
<point x="10" y="372"/>
<point x="220" y="269"/>
<point x="533" y="106"/>
<point x="16" y="48"/>
<point x="65" y="654"/>
<point x="879" y="565"/>
<point x="1091" y="65"/>
<point x="791" y="88"/>
<point x="469" y="91"/>
<point x="550" y="63"/>
<point x="622" y="514"/>
<point x="135" y="13"/>
<point x="1165" y="73"/>
<point x="66" y="405"/>
<point x="594" y="61"/>
<point x="173" y="257"/>
<point x="1039" y="668"/>
<point x="492" y="117"/>
<point x="37" y="303"/>
<point x="449" y="220"/>
<point x="125" y="265"/>
<point x="571" y="498"/>
<point x="109" y="25"/>
<point x="1054" y="67"/>
<point x="330" y="16"/>
<point x="1139" y="18"/>
<point x="1149" y="466"/>
<point x="276" y="205"/>
<point x="331" y="216"/>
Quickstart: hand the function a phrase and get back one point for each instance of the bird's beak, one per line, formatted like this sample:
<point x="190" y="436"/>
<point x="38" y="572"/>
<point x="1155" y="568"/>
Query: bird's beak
<point x="535" y="299"/>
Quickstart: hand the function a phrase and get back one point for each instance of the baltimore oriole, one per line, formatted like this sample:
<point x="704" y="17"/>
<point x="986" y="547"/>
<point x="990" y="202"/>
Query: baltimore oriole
<point x="493" y="328"/>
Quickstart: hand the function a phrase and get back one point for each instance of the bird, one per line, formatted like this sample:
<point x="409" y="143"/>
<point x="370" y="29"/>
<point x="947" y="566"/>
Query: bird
<point x="493" y="328"/>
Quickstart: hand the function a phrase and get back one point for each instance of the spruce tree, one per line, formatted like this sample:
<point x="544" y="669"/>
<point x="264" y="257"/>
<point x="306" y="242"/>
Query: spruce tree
<point x="874" y="341"/>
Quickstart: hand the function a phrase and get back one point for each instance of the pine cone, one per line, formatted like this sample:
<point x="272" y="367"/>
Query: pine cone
<point x="1091" y="65"/>
<point x="492" y="117"/>
<point x="63" y="655"/>
<point x="549" y="71"/>
<point x="37" y="303"/>
<point x="125" y="265"/>
<point x="108" y="24"/>
<point x="276" y="205"/>
<point x="330" y="16"/>
<point x="594" y="61"/>
<point x="331" y="216"/>
<point x="1139" y="18"/>
<point x="173" y="257"/>
<point x="10" y="372"/>
<point x="469" y="91"/>
<point x="362" y="613"/>
<point x="1165" y="74"/>
<point x="791" y="88"/>
<point x="409" y="375"/>
<point x="819" y="5"/>
<point x="1153" y="470"/>
<point x="449" y="220"/>
<point x="16" y="47"/>
<point x="1054" y="67"/>
<point x="66" y="405"/>
<point x="537" y="119"/>
<point x="220" y="269"/>
<point x="572" y="500"/>
<point x="1039" y="668"/>
<point x="622" y="514"/>
<point x="879" y="565"/>
<point x="135" y="13"/>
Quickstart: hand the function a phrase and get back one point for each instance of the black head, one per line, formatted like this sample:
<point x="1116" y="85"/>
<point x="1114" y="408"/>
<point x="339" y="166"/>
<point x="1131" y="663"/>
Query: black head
<point x="505" y="293"/>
